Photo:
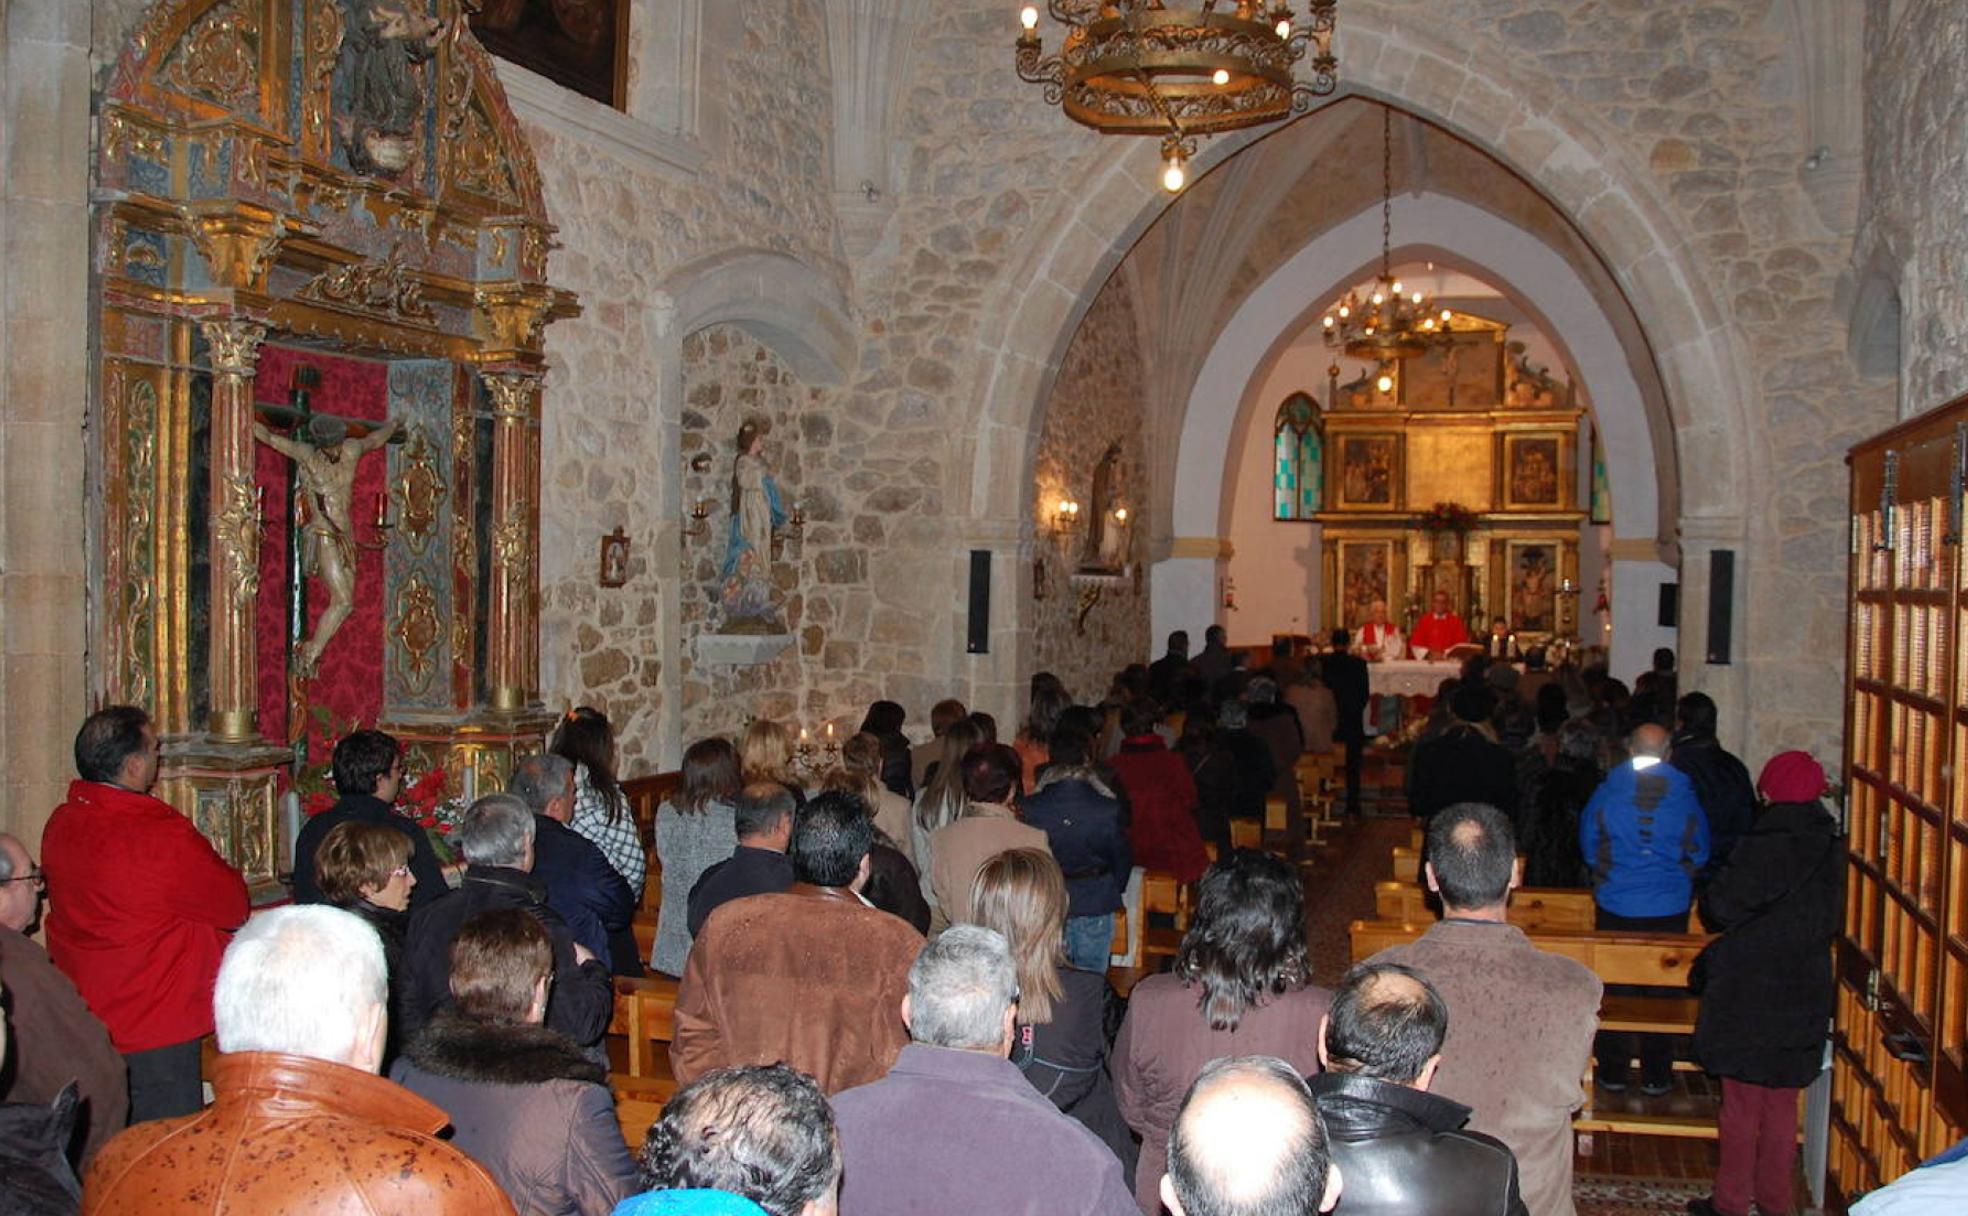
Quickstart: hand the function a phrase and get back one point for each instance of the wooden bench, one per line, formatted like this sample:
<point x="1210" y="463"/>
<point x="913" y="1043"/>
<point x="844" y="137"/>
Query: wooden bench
<point x="1530" y="907"/>
<point x="1407" y="864"/>
<point x="640" y="1031"/>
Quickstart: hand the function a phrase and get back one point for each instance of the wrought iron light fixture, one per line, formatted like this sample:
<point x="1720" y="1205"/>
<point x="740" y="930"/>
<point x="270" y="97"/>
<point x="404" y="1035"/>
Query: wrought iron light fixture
<point x="1180" y="68"/>
<point x="1385" y="321"/>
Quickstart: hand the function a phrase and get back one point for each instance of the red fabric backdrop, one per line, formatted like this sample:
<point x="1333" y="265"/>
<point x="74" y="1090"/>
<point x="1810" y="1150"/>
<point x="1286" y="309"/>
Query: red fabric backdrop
<point x="350" y="681"/>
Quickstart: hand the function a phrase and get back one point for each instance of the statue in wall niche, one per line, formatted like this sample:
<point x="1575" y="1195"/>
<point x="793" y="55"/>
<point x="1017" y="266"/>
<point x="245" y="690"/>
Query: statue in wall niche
<point x="324" y="467"/>
<point x="756" y="513"/>
<point x="380" y="81"/>
<point x="1107" y="529"/>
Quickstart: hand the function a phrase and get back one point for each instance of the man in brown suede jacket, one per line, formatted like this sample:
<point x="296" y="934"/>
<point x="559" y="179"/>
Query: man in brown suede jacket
<point x="813" y="976"/>
<point x="1521" y="1021"/>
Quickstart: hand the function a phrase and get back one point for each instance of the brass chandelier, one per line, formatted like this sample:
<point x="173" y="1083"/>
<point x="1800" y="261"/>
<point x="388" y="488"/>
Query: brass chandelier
<point x="1180" y="68"/>
<point x="1384" y="321"/>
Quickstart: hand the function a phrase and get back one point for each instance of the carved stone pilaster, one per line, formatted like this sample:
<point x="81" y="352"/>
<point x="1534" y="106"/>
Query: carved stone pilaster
<point x="513" y="641"/>
<point x="234" y="525"/>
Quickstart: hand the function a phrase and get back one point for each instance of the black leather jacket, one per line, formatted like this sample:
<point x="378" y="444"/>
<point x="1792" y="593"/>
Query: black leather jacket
<point x="1401" y="1152"/>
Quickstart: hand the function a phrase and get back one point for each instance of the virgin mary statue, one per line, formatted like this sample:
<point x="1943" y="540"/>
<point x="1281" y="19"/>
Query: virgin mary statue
<point x="756" y="512"/>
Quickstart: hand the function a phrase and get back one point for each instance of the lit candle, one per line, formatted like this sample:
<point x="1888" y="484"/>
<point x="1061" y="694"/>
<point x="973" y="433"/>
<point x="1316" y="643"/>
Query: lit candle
<point x="382" y="508"/>
<point x="830" y="730"/>
<point x="803" y="735"/>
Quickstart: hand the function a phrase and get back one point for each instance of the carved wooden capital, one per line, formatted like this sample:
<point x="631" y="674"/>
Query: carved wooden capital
<point x="238" y="247"/>
<point x="512" y="317"/>
<point x="235" y="344"/>
<point x="515" y="394"/>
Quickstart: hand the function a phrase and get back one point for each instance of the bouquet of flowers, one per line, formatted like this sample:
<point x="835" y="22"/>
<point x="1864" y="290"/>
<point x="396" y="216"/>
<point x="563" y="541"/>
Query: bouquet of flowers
<point x="424" y="801"/>
<point x="1448" y="517"/>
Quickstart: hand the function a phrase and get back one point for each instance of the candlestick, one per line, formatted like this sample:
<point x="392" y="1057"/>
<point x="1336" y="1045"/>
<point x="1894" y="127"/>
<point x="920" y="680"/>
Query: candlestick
<point x="382" y="508"/>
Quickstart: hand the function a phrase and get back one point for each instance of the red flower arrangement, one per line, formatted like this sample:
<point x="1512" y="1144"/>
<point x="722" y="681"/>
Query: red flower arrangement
<point x="1448" y="517"/>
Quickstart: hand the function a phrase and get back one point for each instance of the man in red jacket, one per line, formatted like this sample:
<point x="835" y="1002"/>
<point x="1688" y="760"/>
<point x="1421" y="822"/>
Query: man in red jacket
<point x="140" y="910"/>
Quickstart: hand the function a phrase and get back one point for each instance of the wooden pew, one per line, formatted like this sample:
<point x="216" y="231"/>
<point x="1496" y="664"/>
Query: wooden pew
<point x="1530" y="907"/>
<point x="643" y="1023"/>
<point x="1407" y="864"/>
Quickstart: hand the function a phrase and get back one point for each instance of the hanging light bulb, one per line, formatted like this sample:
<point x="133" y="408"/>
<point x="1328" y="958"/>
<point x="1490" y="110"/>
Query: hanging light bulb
<point x="1029" y="17"/>
<point x="1329" y="321"/>
<point x="1397" y="288"/>
<point x="1378" y="298"/>
<point x="1385" y="384"/>
<point x="1344" y="311"/>
<point x="1221" y="76"/>
<point x="1174" y="173"/>
<point x="1417" y="297"/>
<point x="1284" y="28"/>
<point x="1445" y="314"/>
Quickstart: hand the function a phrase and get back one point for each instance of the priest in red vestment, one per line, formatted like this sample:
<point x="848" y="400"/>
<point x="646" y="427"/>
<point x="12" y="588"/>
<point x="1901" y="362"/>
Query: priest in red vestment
<point x="1380" y="637"/>
<point x="1438" y="630"/>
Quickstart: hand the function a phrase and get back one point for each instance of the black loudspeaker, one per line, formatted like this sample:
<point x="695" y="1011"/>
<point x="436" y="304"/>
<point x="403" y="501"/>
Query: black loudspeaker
<point x="1721" y="604"/>
<point x="1670" y="605"/>
<point x="978" y="626"/>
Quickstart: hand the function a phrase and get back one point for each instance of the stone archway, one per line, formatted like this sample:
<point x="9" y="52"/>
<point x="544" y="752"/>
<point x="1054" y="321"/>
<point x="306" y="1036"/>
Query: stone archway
<point x="1645" y="494"/>
<point x="1612" y="202"/>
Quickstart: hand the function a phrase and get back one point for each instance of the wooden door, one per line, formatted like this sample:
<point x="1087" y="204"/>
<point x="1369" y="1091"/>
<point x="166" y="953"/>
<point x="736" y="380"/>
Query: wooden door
<point x="1903" y="956"/>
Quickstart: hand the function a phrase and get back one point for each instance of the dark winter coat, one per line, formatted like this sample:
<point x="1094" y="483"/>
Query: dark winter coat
<point x="35" y="1176"/>
<point x="392" y="927"/>
<point x="581" y="1000"/>
<point x="1346" y="675"/>
<point x="1083" y="828"/>
<point x="362" y="808"/>
<point x="590" y="895"/>
<point x="1768" y="1002"/>
<point x="1726" y="794"/>
<point x="1550" y="839"/>
<point x="894" y="886"/>
<point x="526" y="1104"/>
<point x="1460" y="765"/>
<point x="1403" y="1152"/>
<point x="1066" y="1060"/>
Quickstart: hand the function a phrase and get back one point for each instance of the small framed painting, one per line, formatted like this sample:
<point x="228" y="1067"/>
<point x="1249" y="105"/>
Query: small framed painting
<point x="1533" y="470"/>
<point x="1369" y="471"/>
<point x="614" y="559"/>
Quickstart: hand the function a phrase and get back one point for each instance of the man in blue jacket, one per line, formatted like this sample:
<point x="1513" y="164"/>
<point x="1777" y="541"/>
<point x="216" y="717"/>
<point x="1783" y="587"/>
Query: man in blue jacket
<point x="1645" y="837"/>
<point x="589" y="894"/>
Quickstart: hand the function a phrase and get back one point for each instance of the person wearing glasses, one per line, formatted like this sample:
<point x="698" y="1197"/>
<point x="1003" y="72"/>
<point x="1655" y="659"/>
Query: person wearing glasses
<point x="365" y="868"/>
<point x="56" y="1039"/>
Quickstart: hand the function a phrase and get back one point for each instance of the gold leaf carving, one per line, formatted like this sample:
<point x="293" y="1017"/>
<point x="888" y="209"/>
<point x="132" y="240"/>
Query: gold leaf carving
<point x="386" y="288"/>
<point x="220" y="58"/>
<point x="121" y="133"/>
<point x="138" y="489"/>
<point x="323" y="50"/>
<point x="478" y="160"/>
<point x="418" y="630"/>
<point x="235" y="345"/>
<point x="238" y="251"/>
<point x="236" y="529"/>
<point x="509" y="548"/>
<point x="419" y="492"/>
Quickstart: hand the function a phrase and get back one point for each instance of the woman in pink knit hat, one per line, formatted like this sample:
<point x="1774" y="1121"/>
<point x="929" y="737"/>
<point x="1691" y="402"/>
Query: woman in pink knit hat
<point x="1767" y="1000"/>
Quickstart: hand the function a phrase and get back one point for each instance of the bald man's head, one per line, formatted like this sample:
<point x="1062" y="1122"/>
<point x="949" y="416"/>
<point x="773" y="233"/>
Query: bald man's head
<point x="1248" y="1141"/>
<point x="1649" y="740"/>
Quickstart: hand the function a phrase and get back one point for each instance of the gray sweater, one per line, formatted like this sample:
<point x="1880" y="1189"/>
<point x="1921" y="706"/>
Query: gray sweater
<point x="687" y="844"/>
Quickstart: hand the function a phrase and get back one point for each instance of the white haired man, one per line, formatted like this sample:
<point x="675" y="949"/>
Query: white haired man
<point x="301" y="1122"/>
<point x="955" y="1121"/>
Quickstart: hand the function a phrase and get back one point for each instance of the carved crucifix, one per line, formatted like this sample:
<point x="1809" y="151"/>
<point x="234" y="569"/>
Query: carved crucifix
<point x="326" y="451"/>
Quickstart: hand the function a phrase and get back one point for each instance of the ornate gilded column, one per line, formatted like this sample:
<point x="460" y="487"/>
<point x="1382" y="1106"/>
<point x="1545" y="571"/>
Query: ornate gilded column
<point x="512" y="672"/>
<point x="235" y="529"/>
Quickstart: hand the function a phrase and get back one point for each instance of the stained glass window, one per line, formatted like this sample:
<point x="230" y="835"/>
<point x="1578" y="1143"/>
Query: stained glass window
<point x="1298" y="489"/>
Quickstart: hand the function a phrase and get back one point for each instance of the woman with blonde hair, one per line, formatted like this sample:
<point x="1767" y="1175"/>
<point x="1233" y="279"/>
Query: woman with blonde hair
<point x="860" y="773"/>
<point x="1063" y="1034"/>
<point x="765" y="753"/>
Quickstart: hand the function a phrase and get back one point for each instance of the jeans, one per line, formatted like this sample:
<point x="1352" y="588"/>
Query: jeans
<point x="1090" y="941"/>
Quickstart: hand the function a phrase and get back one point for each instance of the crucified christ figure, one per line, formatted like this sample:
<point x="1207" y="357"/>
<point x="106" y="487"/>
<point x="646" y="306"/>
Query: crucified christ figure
<point x="325" y="465"/>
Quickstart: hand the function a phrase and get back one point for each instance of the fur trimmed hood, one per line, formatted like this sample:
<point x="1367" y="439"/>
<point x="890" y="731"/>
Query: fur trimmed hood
<point x="480" y="1052"/>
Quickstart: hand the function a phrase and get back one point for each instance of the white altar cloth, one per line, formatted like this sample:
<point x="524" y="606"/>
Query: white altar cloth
<point x="1410" y="677"/>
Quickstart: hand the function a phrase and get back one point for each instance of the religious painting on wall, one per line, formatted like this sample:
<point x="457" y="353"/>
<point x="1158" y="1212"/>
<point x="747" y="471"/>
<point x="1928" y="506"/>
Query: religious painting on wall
<point x="1369" y="471"/>
<point x="1533" y="471"/>
<point x="1531" y="568"/>
<point x="580" y="44"/>
<point x="1365" y="578"/>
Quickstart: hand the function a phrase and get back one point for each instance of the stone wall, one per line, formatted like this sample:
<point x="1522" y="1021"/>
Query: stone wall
<point x="1096" y="403"/>
<point x="1916" y="189"/>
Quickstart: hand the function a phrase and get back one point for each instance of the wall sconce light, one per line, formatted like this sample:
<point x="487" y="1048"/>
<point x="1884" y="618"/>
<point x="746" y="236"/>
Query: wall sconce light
<point x="797" y="519"/>
<point x="1065" y="515"/>
<point x="700" y="463"/>
<point x="699" y="525"/>
<point x="1120" y="515"/>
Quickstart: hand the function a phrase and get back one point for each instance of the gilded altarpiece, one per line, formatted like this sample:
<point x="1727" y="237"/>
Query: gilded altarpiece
<point x="337" y="186"/>
<point x="1470" y="422"/>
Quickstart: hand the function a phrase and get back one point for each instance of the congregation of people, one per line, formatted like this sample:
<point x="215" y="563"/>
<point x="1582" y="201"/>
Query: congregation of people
<point x="892" y="992"/>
